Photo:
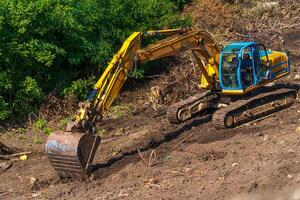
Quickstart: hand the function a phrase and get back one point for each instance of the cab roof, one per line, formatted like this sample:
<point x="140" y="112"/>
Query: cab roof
<point x="235" y="47"/>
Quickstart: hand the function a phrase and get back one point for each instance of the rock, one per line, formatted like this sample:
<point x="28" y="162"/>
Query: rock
<point x="282" y="142"/>
<point x="291" y="151"/>
<point x="32" y="180"/>
<point x="289" y="176"/>
<point x="260" y="134"/>
<point x="5" y="149"/>
<point x="297" y="77"/>
<point x="252" y="187"/>
<point x="270" y="4"/>
<point x="33" y="195"/>
<point x="124" y="175"/>
<point x="266" y="137"/>
<point x="152" y="180"/>
<point x="298" y="178"/>
<point x="234" y="164"/>
<point x="5" y="165"/>
<point x="296" y="194"/>
<point x="298" y="130"/>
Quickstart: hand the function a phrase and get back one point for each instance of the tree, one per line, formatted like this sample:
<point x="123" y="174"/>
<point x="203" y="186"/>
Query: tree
<point x="50" y="43"/>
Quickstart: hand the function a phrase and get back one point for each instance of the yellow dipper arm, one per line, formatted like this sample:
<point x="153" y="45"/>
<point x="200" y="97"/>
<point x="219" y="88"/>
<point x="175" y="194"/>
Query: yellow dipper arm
<point x="131" y="53"/>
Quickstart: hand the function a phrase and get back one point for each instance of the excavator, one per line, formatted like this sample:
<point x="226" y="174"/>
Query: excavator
<point x="235" y="90"/>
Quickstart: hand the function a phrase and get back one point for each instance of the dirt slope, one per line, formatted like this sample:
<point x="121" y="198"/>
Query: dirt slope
<point x="188" y="161"/>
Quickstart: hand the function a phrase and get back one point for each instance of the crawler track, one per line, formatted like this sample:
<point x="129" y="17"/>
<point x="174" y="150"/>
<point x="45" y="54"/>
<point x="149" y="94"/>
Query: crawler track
<point x="186" y="109"/>
<point x="243" y="111"/>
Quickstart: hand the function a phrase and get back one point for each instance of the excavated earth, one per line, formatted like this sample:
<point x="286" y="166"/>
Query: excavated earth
<point x="142" y="156"/>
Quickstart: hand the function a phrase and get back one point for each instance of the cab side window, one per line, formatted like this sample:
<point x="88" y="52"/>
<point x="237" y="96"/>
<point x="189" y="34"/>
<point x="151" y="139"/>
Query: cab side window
<point x="263" y="71"/>
<point x="230" y="64"/>
<point x="246" y="67"/>
<point x="257" y="62"/>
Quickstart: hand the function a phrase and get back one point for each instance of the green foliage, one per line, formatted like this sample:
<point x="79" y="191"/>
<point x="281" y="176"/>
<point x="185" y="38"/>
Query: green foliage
<point x="63" y="123"/>
<point x="139" y="73"/>
<point x="37" y="140"/>
<point x="180" y="3"/>
<point x="119" y="111"/>
<point x="21" y="130"/>
<point x="80" y="88"/>
<point x="167" y="157"/>
<point x="47" y="130"/>
<point x="4" y="109"/>
<point x="5" y="88"/>
<point x="40" y="124"/>
<point x="101" y="132"/>
<point x="47" y="45"/>
<point x="21" y="137"/>
<point x="27" y="97"/>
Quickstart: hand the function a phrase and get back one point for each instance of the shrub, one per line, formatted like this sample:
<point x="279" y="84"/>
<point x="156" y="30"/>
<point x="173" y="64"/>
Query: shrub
<point x="27" y="97"/>
<point x="4" y="109"/>
<point x="40" y="124"/>
<point x="47" y="45"/>
<point x="80" y="88"/>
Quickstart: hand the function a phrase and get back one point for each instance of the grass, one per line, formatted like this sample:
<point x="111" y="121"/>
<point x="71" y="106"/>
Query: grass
<point x="47" y="130"/>
<point x="21" y="130"/>
<point x="37" y="140"/>
<point x="21" y="137"/>
<point x="167" y="157"/>
<point x="101" y="132"/>
<point x="63" y="123"/>
<point x="119" y="111"/>
<point x="41" y="124"/>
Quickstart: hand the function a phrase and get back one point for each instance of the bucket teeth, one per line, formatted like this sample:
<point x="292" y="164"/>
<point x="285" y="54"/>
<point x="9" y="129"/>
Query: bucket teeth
<point x="67" y="167"/>
<point x="71" y="154"/>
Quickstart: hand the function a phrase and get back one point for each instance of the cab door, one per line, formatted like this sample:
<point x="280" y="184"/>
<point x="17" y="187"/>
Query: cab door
<point x="248" y="67"/>
<point x="261" y="63"/>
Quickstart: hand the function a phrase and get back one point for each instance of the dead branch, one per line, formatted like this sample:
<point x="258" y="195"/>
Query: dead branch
<point x="7" y="157"/>
<point x="183" y="140"/>
<point x="152" y="153"/>
<point x="246" y="36"/>
<point x="141" y="156"/>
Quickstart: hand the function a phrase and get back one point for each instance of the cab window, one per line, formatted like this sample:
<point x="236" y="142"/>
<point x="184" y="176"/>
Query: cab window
<point x="263" y="69"/>
<point x="230" y="63"/>
<point x="247" y="77"/>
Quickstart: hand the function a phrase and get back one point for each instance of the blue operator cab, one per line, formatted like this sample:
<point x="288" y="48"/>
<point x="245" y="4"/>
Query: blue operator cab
<point x="245" y="66"/>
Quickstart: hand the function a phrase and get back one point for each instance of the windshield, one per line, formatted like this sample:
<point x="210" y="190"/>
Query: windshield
<point x="233" y="48"/>
<point x="230" y="63"/>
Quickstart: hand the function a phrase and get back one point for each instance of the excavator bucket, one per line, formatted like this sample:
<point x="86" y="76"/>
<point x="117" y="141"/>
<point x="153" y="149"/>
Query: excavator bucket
<point x="71" y="154"/>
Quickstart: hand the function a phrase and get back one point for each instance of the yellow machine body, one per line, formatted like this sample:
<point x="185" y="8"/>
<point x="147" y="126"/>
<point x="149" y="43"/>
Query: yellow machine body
<point x="223" y="72"/>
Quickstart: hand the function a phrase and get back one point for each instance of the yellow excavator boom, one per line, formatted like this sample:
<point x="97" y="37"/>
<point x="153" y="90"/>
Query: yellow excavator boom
<point x="201" y="43"/>
<point x="72" y="152"/>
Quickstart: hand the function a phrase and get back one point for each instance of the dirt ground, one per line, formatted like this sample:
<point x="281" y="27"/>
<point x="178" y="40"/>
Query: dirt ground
<point x="259" y="160"/>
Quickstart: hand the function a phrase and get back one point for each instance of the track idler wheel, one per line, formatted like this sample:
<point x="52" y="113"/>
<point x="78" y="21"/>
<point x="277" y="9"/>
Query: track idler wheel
<point x="229" y="121"/>
<point x="71" y="153"/>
